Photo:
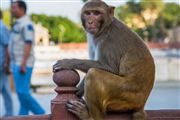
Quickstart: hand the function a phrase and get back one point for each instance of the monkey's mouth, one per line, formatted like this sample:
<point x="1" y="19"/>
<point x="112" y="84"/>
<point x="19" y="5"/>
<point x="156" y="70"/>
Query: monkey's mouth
<point x="92" y="30"/>
<point x="92" y="27"/>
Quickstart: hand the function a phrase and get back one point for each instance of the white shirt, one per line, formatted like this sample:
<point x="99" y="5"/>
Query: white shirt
<point x="22" y="33"/>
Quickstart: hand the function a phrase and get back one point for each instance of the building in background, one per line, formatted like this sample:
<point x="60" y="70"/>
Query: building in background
<point x="41" y="35"/>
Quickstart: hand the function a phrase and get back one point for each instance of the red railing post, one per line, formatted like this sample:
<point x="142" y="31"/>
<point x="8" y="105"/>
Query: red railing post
<point x="66" y="81"/>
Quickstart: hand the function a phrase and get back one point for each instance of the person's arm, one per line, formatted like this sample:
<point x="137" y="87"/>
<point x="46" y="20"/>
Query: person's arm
<point x="4" y="33"/>
<point x="27" y="49"/>
<point x="28" y="33"/>
<point x="7" y="61"/>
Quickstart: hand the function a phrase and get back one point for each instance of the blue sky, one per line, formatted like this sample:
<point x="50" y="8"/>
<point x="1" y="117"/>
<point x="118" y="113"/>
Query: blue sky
<point x="68" y="8"/>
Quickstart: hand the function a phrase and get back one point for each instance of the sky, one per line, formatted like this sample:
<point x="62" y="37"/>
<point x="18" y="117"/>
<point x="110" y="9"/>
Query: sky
<point x="66" y="8"/>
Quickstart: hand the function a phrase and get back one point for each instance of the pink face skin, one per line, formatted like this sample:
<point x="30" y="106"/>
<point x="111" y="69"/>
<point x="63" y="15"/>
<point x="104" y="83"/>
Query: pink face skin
<point x="17" y="12"/>
<point x="93" y="21"/>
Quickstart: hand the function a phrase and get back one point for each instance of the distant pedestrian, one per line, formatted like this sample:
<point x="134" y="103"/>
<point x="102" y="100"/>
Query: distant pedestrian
<point x="4" y="69"/>
<point x="22" y="58"/>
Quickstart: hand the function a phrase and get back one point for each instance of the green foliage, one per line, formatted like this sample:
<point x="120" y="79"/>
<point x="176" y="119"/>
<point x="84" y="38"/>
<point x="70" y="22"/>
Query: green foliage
<point x="171" y="15"/>
<point x="150" y="19"/>
<point x="61" y="29"/>
<point x="151" y="4"/>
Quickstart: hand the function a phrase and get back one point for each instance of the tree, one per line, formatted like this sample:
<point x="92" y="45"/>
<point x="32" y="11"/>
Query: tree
<point x="150" y="19"/>
<point x="70" y="32"/>
<point x="171" y="15"/>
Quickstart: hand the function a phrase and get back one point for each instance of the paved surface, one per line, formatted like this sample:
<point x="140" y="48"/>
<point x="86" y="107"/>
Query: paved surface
<point x="43" y="99"/>
<point x="165" y="95"/>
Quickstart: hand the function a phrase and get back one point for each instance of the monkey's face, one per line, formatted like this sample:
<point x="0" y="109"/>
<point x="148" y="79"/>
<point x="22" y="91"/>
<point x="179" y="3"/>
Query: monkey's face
<point x="95" y="16"/>
<point x="93" y="20"/>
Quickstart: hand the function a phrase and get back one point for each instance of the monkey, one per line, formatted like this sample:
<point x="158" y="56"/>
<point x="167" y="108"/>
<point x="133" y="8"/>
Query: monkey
<point x="91" y="51"/>
<point x="120" y="76"/>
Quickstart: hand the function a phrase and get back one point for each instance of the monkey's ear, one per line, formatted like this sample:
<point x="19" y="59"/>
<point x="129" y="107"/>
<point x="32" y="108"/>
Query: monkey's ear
<point x="111" y="10"/>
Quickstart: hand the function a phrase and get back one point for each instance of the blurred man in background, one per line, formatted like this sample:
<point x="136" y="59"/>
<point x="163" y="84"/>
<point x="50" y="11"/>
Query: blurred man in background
<point x="22" y="58"/>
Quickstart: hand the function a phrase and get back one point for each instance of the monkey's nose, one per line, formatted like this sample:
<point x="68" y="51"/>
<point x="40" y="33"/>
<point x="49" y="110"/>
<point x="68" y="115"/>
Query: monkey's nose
<point x="90" y="22"/>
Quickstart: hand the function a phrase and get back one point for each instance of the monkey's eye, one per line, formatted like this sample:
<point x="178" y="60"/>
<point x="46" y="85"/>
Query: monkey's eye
<point x="87" y="13"/>
<point x="96" y="12"/>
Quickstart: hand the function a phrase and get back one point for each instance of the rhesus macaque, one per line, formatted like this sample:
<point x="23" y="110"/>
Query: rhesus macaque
<point x="120" y="75"/>
<point x="91" y="50"/>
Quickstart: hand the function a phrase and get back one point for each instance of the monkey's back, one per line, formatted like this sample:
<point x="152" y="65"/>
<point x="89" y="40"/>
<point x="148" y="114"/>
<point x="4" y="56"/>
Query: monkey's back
<point x="135" y="60"/>
<point x="130" y="47"/>
<point x="136" y="65"/>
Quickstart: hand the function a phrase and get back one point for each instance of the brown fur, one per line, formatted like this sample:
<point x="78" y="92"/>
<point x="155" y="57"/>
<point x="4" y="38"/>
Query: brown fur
<point x="122" y="75"/>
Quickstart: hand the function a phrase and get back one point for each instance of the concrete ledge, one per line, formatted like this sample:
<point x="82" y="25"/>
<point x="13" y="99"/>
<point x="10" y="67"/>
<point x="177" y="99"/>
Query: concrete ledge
<point x="152" y="115"/>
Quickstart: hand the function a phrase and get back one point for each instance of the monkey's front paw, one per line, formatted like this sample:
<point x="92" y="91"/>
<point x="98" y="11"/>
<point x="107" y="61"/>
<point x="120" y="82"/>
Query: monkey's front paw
<point x="62" y="64"/>
<point x="78" y="108"/>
